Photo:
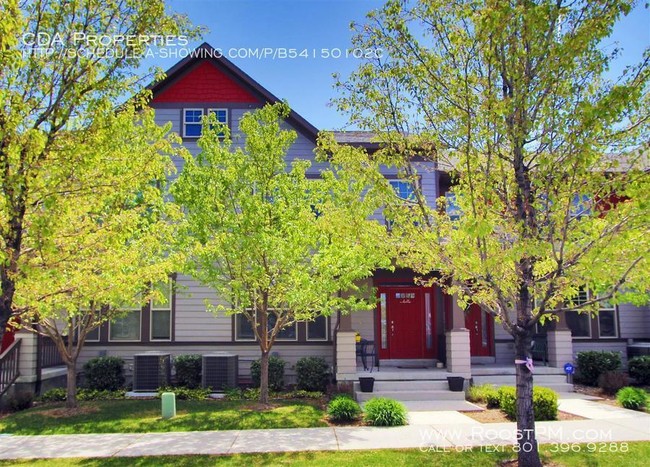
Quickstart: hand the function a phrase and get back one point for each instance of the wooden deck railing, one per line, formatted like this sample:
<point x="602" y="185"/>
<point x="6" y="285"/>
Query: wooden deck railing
<point x="48" y="354"/>
<point x="9" y="361"/>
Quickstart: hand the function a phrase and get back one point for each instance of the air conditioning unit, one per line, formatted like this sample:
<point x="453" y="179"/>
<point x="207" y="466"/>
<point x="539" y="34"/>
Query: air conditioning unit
<point x="220" y="370"/>
<point x="151" y="370"/>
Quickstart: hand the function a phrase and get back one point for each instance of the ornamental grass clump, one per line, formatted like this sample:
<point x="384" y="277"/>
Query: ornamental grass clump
<point x="382" y="411"/>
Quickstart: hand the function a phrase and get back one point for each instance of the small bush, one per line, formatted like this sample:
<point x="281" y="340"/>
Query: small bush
<point x="492" y="399"/>
<point x="343" y="409"/>
<point x="381" y="411"/>
<point x="104" y="373"/>
<point x="544" y="402"/>
<point x="507" y="396"/>
<point x="276" y="373"/>
<point x="236" y="394"/>
<point x="611" y="381"/>
<point x="300" y="394"/>
<point x="186" y="394"/>
<point x="21" y="400"/>
<point x="188" y="370"/>
<point x="95" y="395"/>
<point x="313" y="374"/>
<point x="54" y="395"/>
<point x="632" y="398"/>
<point x="639" y="369"/>
<point x="480" y="393"/>
<point x="592" y="364"/>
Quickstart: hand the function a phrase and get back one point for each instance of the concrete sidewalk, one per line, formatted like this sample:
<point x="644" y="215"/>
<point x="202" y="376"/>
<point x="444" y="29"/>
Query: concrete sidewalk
<point x="440" y="430"/>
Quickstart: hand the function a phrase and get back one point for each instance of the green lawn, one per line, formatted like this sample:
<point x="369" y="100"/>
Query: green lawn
<point x="638" y="455"/>
<point x="141" y="416"/>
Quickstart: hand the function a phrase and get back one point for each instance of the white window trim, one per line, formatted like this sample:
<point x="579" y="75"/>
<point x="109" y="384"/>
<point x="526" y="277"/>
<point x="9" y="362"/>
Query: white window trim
<point x="239" y="339"/>
<point x="151" y="312"/>
<point x="110" y="323"/>
<point x="614" y="309"/>
<point x="215" y="109"/>
<point x="327" y="331"/>
<point x="184" y="123"/>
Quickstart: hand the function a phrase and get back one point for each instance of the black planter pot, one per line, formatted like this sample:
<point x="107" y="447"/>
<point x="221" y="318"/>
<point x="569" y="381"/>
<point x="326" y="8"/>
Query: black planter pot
<point x="367" y="384"/>
<point x="456" y="383"/>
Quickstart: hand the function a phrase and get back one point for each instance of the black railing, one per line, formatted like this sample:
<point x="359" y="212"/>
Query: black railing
<point x="48" y="355"/>
<point x="9" y="361"/>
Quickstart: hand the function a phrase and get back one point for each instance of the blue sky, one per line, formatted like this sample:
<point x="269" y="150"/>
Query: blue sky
<point x="235" y="26"/>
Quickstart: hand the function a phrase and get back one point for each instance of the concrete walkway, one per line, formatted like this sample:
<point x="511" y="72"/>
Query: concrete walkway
<point x="439" y="430"/>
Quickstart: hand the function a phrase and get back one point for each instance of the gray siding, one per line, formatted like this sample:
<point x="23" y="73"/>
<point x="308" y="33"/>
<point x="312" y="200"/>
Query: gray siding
<point x="634" y="322"/>
<point x="193" y="322"/>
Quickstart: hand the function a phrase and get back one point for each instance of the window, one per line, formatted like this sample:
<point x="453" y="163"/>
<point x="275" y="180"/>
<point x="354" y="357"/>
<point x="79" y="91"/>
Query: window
<point x="243" y="329"/>
<point x="607" y="327"/>
<point x="451" y="207"/>
<point x="93" y="336"/>
<point x="161" y="314"/>
<point x="221" y="114"/>
<point x="192" y="122"/>
<point x="579" y="322"/>
<point x="580" y="206"/>
<point x="404" y="189"/>
<point x="582" y="325"/>
<point x="126" y="327"/>
<point x="287" y="333"/>
<point x="317" y="329"/>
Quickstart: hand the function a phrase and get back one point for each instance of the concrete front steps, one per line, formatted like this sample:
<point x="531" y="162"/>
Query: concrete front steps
<point x="556" y="382"/>
<point x="410" y="390"/>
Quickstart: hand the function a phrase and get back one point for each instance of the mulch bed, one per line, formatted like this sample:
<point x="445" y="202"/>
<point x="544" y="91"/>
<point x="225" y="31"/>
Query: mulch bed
<point x="497" y="416"/>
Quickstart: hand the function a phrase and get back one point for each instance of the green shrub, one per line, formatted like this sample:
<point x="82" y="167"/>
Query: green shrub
<point x="188" y="371"/>
<point x="21" y="400"/>
<point x="343" y="409"/>
<point x="276" y="373"/>
<point x="381" y="411"/>
<point x="611" y="381"/>
<point x="104" y="373"/>
<point x="480" y="393"/>
<point x="313" y="374"/>
<point x="593" y="363"/>
<point x="300" y="394"/>
<point x="236" y="394"/>
<point x="632" y="398"/>
<point x="507" y="396"/>
<point x="639" y="369"/>
<point x="54" y="395"/>
<point x="492" y="399"/>
<point x="544" y="402"/>
<point x="96" y="395"/>
<point x="187" y="394"/>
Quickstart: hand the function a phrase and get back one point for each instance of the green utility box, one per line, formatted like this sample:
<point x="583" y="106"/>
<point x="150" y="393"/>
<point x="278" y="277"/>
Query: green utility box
<point x="168" y="405"/>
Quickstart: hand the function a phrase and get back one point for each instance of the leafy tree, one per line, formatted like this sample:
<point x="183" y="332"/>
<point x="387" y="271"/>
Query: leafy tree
<point x="547" y="156"/>
<point x="282" y="247"/>
<point x="63" y="65"/>
<point x="100" y="237"/>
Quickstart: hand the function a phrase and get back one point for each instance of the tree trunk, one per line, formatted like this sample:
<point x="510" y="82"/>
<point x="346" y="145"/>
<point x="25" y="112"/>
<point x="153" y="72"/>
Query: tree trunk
<point x="264" y="377"/>
<point x="71" y="387"/>
<point x="528" y="452"/>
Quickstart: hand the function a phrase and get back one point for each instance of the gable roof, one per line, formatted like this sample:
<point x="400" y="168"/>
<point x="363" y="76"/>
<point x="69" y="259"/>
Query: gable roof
<point x="235" y="76"/>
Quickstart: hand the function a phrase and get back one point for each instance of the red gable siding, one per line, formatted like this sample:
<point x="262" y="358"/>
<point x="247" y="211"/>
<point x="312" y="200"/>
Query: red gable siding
<point x="205" y="83"/>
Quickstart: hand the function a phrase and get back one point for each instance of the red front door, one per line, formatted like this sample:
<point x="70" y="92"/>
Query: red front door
<point x="405" y="318"/>
<point x="480" y="325"/>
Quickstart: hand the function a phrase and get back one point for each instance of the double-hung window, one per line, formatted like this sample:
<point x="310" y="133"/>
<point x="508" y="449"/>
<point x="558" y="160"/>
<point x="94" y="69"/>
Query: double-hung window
<point x="161" y="313"/>
<point x="127" y="326"/>
<point x="192" y="122"/>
